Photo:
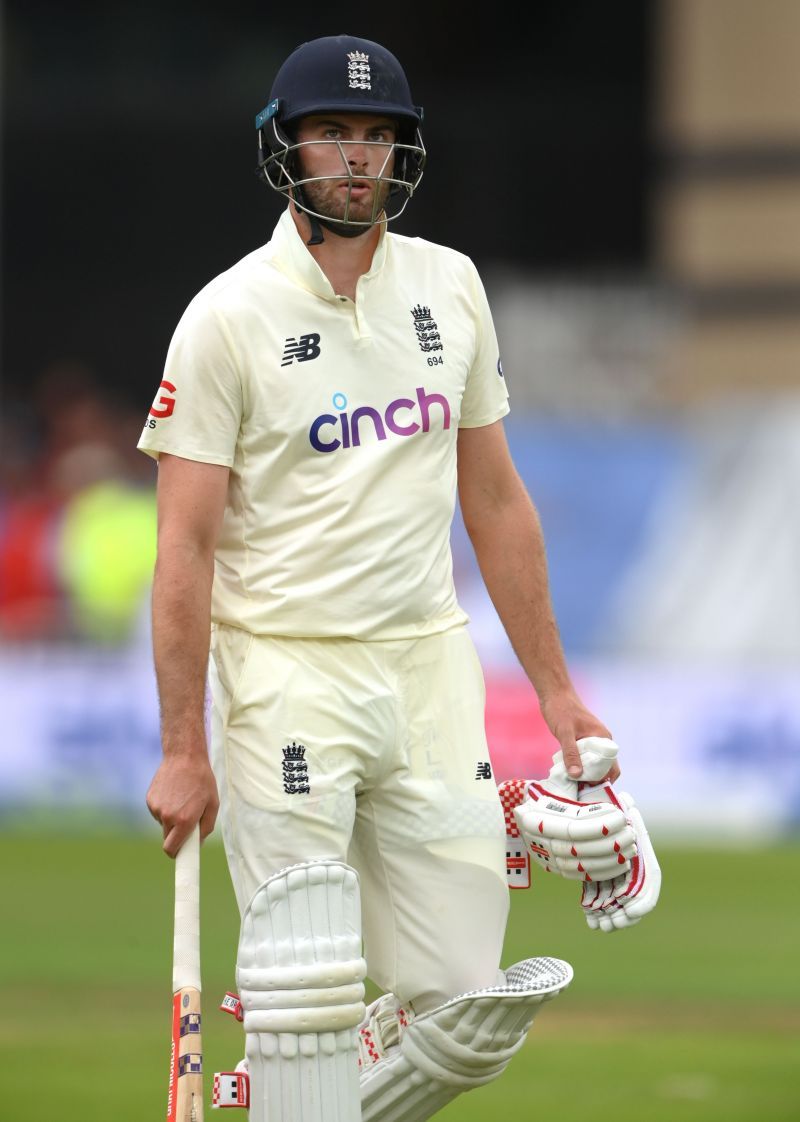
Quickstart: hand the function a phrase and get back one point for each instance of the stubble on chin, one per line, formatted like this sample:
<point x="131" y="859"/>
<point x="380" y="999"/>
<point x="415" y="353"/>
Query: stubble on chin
<point x="331" y="201"/>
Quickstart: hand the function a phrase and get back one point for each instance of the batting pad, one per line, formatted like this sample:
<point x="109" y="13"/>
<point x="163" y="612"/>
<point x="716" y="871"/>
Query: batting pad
<point x="411" y="1067"/>
<point x="300" y="975"/>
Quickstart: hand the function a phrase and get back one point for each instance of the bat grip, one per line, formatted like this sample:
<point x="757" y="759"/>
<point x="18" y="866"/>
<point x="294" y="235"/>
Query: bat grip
<point x="186" y="946"/>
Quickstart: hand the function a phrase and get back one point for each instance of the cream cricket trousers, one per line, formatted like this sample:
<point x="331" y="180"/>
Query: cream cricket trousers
<point x="373" y="753"/>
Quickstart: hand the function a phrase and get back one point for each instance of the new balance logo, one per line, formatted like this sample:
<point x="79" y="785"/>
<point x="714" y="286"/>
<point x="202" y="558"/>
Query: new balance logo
<point x="483" y="771"/>
<point x="302" y="349"/>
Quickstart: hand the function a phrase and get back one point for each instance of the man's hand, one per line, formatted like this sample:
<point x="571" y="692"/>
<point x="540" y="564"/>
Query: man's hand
<point x="570" y="721"/>
<point x="183" y="792"/>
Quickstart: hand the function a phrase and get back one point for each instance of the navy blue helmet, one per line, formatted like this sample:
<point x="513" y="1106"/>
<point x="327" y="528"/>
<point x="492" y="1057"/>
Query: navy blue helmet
<point x="343" y="74"/>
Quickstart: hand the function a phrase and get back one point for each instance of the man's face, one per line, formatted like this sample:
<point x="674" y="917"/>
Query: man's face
<point x="347" y="156"/>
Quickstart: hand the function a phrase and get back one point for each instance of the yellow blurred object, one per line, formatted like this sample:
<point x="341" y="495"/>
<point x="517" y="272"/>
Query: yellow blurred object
<point x="107" y="554"/>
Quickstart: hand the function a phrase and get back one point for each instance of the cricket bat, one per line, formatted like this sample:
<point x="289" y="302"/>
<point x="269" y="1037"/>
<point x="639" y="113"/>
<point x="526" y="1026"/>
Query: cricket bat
<point x="185" y="1098"/>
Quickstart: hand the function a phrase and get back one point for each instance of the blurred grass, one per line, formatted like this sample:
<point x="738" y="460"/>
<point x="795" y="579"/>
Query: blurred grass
<point x="691" y="1015"/>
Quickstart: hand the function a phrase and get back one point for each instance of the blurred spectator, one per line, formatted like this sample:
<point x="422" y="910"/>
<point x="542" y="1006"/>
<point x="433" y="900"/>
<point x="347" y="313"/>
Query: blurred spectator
<point x="77" y="513"/>
<point x="31" y="599"/>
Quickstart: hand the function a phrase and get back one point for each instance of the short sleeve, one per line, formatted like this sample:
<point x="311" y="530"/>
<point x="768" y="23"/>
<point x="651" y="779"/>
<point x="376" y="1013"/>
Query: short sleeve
<point x="485" y="397"/>
<point x="197" y="409"/>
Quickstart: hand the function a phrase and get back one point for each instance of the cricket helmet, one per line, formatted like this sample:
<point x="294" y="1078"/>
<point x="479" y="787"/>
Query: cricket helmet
<point x="340" y="74"/>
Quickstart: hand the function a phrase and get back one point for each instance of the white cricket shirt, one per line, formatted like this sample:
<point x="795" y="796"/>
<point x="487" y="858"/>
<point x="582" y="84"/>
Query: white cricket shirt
<point x="338" y="420"/>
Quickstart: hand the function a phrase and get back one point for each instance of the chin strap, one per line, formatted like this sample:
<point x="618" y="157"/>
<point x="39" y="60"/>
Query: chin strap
<point x="341" y="229"/>
<point x="317" y="237"/>
<point x="316" y="230"/>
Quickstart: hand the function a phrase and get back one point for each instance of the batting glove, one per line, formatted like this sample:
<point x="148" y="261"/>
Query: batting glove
<point x="580" y="837"/>
<point x="584" y="830"/>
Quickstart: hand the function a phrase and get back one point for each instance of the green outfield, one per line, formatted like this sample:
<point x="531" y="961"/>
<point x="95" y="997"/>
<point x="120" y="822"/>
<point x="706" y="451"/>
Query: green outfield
<point x="692" y="1015"/>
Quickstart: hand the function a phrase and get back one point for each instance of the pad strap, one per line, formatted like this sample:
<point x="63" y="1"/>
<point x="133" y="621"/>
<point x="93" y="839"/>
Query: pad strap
<point x="231" y="1089"/>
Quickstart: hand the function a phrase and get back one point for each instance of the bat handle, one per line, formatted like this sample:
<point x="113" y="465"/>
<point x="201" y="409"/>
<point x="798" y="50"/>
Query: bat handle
<point x="186" y="947"/>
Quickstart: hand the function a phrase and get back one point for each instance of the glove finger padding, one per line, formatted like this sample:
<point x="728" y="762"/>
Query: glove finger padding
<point x="585" y="868"/>
<point x="577" y="840"/>
<point x="623" y="844"/>
<point x="622" y="901"/>
<point x="591" y="860"/>
<point x="600" y="906"/>
<point x="605" y="921"/>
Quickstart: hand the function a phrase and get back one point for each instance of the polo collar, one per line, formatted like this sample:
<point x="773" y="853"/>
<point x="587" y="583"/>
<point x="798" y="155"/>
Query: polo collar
<point x="290" y="254"/>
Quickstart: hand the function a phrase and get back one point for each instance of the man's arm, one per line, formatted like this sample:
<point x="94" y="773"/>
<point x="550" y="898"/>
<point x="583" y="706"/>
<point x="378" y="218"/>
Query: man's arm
<point x="506" y="534"/>
<point x="191" y="501"/>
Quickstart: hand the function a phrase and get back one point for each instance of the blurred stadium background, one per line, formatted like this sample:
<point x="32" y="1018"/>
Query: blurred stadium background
<point x="627" y="178"/>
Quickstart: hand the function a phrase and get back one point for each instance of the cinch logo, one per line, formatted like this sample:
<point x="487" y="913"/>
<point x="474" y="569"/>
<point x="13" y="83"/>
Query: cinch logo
<point x="330" y="431"/>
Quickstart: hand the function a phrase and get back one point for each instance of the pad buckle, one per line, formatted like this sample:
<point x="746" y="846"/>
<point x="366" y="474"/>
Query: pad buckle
<point x="231" y="1004"/>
